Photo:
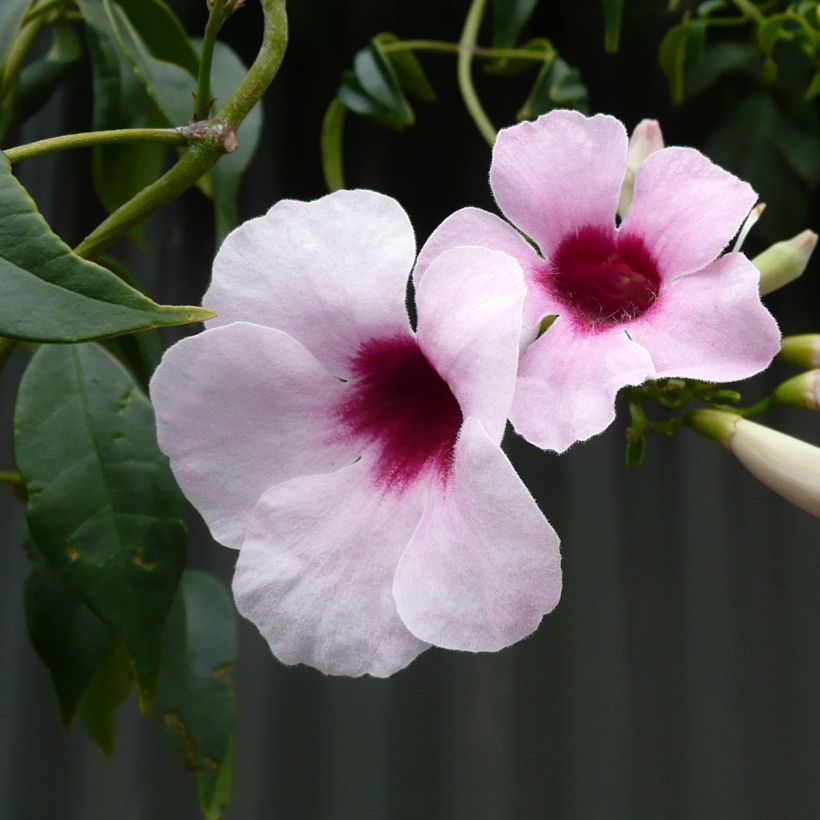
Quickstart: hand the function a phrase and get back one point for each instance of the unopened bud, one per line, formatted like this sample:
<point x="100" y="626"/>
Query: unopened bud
<point x="645" y="140"/>
<point x="800" y="391"/>
<point x="751" y="221"/>
<point x="801" y="351"/>
<point x="787" y="465"/>
<point x="785" y="261"/>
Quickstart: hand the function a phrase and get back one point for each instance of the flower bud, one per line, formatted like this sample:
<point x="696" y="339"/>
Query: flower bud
<point x="785" y="261"/>
<point x="784" y="464"/>
<point x="801" y="351"/>
<point x="645" y="140"/>
<point x="800" y="391"/>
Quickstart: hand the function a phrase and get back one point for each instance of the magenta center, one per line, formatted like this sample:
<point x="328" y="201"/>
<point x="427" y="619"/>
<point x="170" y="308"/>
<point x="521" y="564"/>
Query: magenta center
<point x="401" y="407"/>
<point x="603" y="277"/>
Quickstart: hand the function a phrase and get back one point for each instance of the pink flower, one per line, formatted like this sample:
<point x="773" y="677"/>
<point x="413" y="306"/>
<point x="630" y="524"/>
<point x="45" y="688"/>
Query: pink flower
<point x="649" y="299"/>
<point x="354" y="462"/>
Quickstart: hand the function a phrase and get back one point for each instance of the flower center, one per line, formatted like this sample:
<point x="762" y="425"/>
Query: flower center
<point x="603" y="277"/>
<point x="400" y="405"/>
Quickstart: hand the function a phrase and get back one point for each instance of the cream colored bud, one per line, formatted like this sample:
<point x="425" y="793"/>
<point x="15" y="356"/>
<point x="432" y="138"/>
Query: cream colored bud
<point x="787" y="465"/>
<point x="645" y="140"/>
<point x="800" y="391"/>
<point x="785" y="261"/>
<point x="801" y="351"/>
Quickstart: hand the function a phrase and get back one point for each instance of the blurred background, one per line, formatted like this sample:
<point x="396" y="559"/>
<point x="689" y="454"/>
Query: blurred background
<point x="680" y="675"/>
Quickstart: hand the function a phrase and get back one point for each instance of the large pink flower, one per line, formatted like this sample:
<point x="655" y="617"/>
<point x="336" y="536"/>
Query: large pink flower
<point x="649" y="299"/>
<point x="355" y="463"/>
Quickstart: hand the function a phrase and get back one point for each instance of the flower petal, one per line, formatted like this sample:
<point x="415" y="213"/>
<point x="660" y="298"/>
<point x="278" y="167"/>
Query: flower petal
<point x="240" y="408"/>
<point x="469" y="322"/>
<point x="568" y="380"/>
<point x="472" y="226"/>
<point x="710" y="325"/>
<point x="686" y="209"/>
<point x="483" y="567"/>
<point x="558" y="174"/>
<point x="331" y="273"/>
<point x="316" y="571"/>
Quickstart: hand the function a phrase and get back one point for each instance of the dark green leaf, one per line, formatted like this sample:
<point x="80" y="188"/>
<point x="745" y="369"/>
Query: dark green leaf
<point x="120" y="101"/>
<point x="708" y="6"/>
<point x="11" y="15"/>
<point x="408" y="69"/>
<point x="509" y="18"/>
<point x="226" y="177"/>
<point x="672" y="56"/>
<point x="719" y="60"/>
<point x="373" y="90"/>
<point x="558" y="85"/>
<point x="106" y="692"/>
<point x="635" y="449"/>
<point x="40" y="79"/>
<point x="162" y="32"/>
<point x="613" y="12"/>
<point x="769" y="32"/>
<point x="69" y="638"/>
<point x="103" y="506"/>
<point x="814" y="87"/>
<point x="195" y="698"/>
<point x="695" y="43"/>
<point x="48" y="294"/>
<point x="332" y="145"/>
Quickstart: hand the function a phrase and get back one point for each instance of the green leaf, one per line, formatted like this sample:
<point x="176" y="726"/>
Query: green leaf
<point x="332" y="145"/>
<point x="373" y="89"/>
<point x="672" y="56"/>
<point x="635" y="449"/>
<point x="769" y="32"/>
<point x="11" y="15"/>
<point x="49" y="294"/>
<point x="613" y="12"/>
<point x="120" y="101"/>
<point x="695" y="43"/>
<point x="814" y="86"/>
<point x="708" y="6"/>
<point x="408" y="69"/>
<point x="162" y="32"/>
<point x="103" y="506"/>
<point x="106" y="692"/>
<point x="69" y="638"/>
<point x="195" y="699"/>
<point x="557" y="85"/>
<point x="228" y="71"/>
<point x="40" y="79"/>
<point x="509" y="18"/>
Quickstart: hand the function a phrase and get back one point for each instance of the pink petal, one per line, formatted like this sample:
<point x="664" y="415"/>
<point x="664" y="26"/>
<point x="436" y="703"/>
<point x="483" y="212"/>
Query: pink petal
<point x="472" y="226"/>
<point x="686" y="209"/>
<point x="483" y="567"/>
<point x="469" y="322"/>
<point x="316" y="571"/>
<point x="710" y="325"/>
<point x="240" y="408"/>
<point x="331" y="273"/>
<point x="558" y="174"/>
<point x="568" y="380"/>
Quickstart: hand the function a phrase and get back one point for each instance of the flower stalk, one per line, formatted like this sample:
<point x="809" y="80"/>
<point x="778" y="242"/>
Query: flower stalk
<point x="465" y="78"/>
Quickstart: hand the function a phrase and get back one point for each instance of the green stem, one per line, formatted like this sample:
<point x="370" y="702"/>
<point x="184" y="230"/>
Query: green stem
<point x="17" y="55"/>
<point x="757" y="409"/>
<point x="166" y="136"/>
<point x="218" y="135"/>
<point x="465" y="79"/>
<point x="455" y="48"/>
<point x="9" y="477"/>
<point x="204" y="99"/>
<point x="750" y="10"/>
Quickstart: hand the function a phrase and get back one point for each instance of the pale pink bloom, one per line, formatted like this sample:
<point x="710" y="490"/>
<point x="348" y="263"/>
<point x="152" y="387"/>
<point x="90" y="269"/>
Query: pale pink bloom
<point x="357" y="463"/>
<point x="647" y="299"/>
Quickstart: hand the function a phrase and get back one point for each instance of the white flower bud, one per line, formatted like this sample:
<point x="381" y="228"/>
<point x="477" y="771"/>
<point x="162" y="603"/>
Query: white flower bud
<point x="645" y="140"/>
<point x="785" y="261"/>
<point x="800" y="391"/>
<point x="787" y="465"/>
<point x="801" y="351"/>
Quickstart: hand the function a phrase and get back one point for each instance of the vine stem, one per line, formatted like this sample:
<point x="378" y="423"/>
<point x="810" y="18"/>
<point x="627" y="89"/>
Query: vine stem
<point x="9" y="477"/>
<point x="465" y="78"/>
<point x="217" y="136"/>
<point x="166" y="136"/>
<point x="750" y="10"/>
<point x="43" y="8"/>
<point x="216" y="19"/>
<point x="455" y="48"/>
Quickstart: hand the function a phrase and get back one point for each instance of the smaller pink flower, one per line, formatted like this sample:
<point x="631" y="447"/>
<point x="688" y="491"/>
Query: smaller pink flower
<point x="356" y="463"/>
<point x="647" y="299"/>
